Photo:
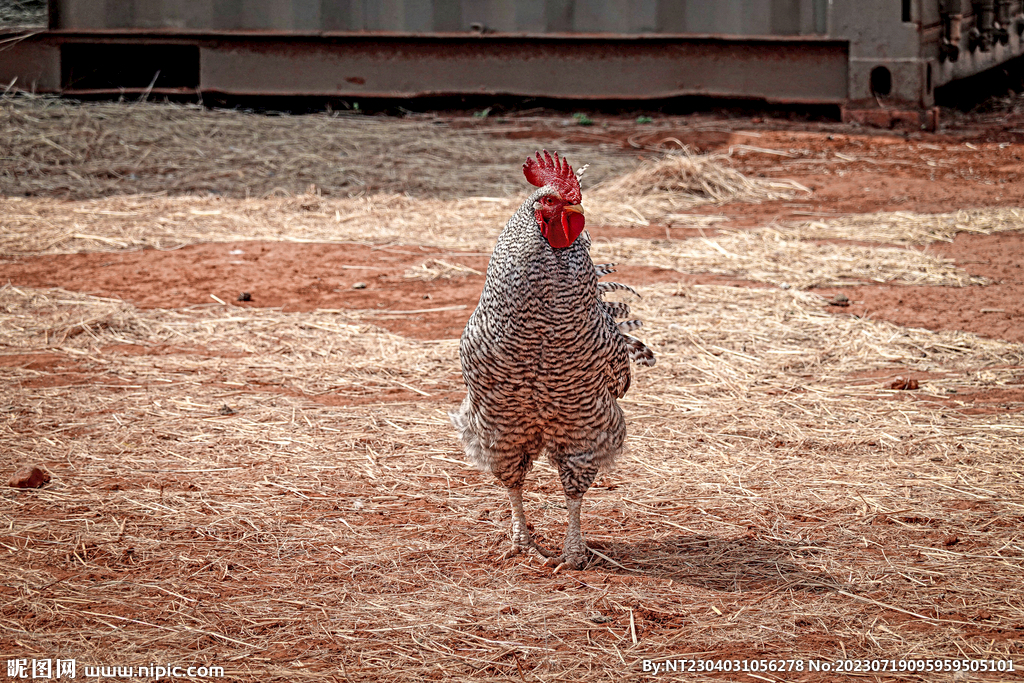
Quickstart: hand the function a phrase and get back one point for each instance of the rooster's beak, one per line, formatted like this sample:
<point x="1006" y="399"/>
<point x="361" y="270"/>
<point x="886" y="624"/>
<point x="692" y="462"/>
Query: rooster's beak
<point x="575" y="208"/>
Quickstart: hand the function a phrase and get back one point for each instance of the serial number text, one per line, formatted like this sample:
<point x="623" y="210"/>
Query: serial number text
<point x="852" y="666"/>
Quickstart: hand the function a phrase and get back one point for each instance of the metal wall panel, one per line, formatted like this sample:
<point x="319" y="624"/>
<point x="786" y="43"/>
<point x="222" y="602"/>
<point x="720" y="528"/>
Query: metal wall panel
<point x="906" y="42"/>
<point x="625" y="17"/>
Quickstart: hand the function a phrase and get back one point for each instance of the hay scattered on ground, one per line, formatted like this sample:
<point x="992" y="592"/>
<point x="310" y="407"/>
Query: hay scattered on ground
<point x="222" y="337"/>
<point x="769" y="503"/>
<point x="131" y="222"/>
<point x="904" y="227"/>
<point x="281" y="493"/>
<point x="435" y="269"/>
<point x="780" y="256"/>
<point x="768" y="255"/>
<point x="658" y="190"/>
<point x="57" y="148"/>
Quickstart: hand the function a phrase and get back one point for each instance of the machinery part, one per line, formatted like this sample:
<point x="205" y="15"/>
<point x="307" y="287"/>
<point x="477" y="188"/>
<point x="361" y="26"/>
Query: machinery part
<point x="982" y="36"/>
<point x="1004" y="10"/>
<point x="952" y="14"/>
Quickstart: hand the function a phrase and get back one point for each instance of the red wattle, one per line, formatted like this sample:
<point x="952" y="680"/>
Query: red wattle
<point x="562" y="231"/>
<point x="573" y="224"/>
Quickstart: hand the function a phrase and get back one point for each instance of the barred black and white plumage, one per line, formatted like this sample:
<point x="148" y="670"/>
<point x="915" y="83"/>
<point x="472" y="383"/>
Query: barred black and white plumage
<point x="605" y="287"/>
<point x="617" y="309"/>
<point x="543" y="357"/>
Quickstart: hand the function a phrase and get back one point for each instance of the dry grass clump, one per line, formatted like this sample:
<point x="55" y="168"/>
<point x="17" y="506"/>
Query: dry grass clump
<point x="770" y="504"/>
<point x="676" y="182"/>
<point x="904" y="227"/>
<point x="31" y="319"/>
<point x="756" y="337"/>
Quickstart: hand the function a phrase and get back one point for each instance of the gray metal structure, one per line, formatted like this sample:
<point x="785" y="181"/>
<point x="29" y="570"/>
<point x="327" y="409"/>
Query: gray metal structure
<point x="790" y="51"/>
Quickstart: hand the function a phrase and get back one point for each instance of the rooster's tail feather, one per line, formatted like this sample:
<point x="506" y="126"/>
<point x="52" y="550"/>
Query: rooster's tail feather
<point x="616" y="309"/>
<point x="605" y="287"/>
<point x="638" y="351"/>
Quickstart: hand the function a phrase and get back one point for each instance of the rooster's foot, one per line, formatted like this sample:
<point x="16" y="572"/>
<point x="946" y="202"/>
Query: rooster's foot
<point x="522" y="543"/>
<point x="528" y="548"/>
<point x="576" y="554"/>
<point x="575" y="559"/>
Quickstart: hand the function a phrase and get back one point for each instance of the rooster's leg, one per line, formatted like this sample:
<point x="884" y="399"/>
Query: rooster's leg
<point x="577" y="474"/>
<point x="576" y="554"/>
<point x="521" y="541"/>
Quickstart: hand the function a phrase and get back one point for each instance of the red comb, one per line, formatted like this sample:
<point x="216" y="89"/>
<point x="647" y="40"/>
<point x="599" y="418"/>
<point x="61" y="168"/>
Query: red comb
<point x="557" y="172"/>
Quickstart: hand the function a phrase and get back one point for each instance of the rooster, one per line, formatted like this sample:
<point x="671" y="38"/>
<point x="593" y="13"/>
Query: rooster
<point x="543" y="358"/>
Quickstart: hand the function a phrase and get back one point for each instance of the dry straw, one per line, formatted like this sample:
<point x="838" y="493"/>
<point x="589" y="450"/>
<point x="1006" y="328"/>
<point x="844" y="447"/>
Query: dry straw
<point x="100" y="149"/>
<point x="439" y="269"/>
<point x="281" y="494"/>
<point x="97" y="149"/>
<point x="55" y="148"/>
<point x="904" y="227"/>
<point x="778" y="255"/>
<point x="658" y="190"/>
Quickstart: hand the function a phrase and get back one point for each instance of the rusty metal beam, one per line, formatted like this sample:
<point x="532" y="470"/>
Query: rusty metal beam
<point x="576" y="68"/>
<point x="594" y="66"/>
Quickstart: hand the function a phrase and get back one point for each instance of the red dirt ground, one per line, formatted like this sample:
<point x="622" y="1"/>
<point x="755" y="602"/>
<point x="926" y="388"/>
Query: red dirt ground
<point x="994" y="310"/>
<point x="852" y="170"/>
<point x="302" y="277"/>
<point x="848" y="169"/>
<point x="294" y="277"/>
